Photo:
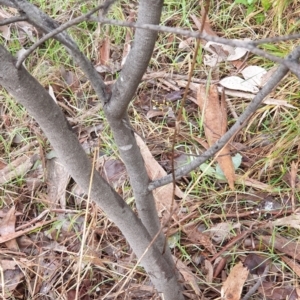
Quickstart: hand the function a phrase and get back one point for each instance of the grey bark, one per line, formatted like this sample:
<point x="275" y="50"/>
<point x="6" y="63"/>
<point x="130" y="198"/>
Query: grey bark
<point x="39" y="104"/>
<point x="115" y="105"/>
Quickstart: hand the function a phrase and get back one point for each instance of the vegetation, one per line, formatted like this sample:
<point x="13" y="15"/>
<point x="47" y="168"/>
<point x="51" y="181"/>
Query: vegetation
<point x="68" y="233"/>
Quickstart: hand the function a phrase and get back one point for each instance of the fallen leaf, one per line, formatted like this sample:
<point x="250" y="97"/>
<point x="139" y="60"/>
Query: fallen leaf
<point x="207" y="28"/>
<point x="11" y="279"/>
<point x="128" y="38"/>
<point x="282" y="245"/>
<point x="16" y="168"/>
<point x="163" y="195"/>
<point x="256" y="264"/>
<point x="233" y="286"/>
<point x="254" y="75"/>
<point x="214" y="109"/>
<point x="238" y="53"/>
<point x="237" y="83"/>
<point x="292" y="264"/>
<point x="253" y="183"/>
<point x="8" y="264"/>
<point x="291" y="221"/>
<point x="195" y="236"/>
<point x="104" y="51"/>
<point x="209" y="271"/>
<point x="185" y="44"/>
<point x="114" y="171"/>
<point x="188" y="275"/>
<point x="8" y="226"/>
<point x="57" y="181"/>
<point x="223" y="231"/>
<point x="5" y="30"/>
<point x="273" y="292"/>
<point x="278" y="102"/>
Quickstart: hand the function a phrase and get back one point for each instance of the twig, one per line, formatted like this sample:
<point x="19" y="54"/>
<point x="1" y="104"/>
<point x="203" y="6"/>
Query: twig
<point x="251" y="46"/>
<point x="239" y="124"/>
<point x="13" y="20"/>
<point x="60" y="29"/>
<point x="41" y="20"/>
<point x="179" y="119"/>
<point x="259" y="282"/>
<point x="234" y="241"/>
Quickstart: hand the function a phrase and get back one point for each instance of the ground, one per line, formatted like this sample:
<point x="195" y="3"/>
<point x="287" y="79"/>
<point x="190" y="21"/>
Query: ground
<point x="47" y="223"/>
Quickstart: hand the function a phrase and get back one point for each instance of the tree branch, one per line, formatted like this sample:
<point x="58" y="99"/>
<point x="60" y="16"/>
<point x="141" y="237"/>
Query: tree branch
<point x="116" y="112"/>
<point x="39" y="104"/>
<point x="251" y="46"/>
<point x="240" y="123"/>
<point x="8" y="3"/>
<point x="13" y="20"/>
<point x="46" y="24"/>
<point x="62" y="28"/>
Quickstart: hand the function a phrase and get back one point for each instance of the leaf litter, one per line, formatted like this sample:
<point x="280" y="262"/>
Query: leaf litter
<point x="33" y="223"/>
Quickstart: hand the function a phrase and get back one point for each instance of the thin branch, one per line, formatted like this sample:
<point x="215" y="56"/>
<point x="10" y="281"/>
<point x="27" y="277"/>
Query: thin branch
<point x="13" y="20"/>
<point x="240" y="123"/>
<point x="251" y="46"/>
<point x="259" y="282"/>
<point x="46" y="24"/>
<point x="39" y="104"/>
<point x="231" y="42"/>
<point x="7" y="3"/>
<point x="60" y="29"/>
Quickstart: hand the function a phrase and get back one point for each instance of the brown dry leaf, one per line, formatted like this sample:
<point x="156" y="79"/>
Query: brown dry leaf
<point x="155" y="113"/>
<point x="187" y="275"/>
<point x="282" y="245"/>
<point x="48" y="268"/>
<point x="185" y="44"/>
<point x="2" y="164"/>
<point x="271" y="292"/>
<point x="207" y="28"/>
<point x="292" y="264"/>
<point x="11" y="279"/>
<point x="18" y="167"/>
<point x="8" y="264"/>
<point x="57" y="181"/>
<point x="253" y="183"/>
<point x="233" y="286"/>
<point x="195" y="236"/>
<point x="215" y="125"/>
<point x="163" y="195"/>
<point x="104" y="52"/>
<point x="209" y="271"/>
<point x="256" y="264"/>
<point x="13" y="235"/>
<point x="5" y="30"/>
<point x="113" y="170"/>
<point x="294" y="177"/>
<point x="8" y="226"/>
<point x="223" y="231"/>
<point x="291" y="221"/>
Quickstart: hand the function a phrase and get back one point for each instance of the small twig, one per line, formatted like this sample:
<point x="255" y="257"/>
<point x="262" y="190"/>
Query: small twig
<point x="259" y="282"/>
<point x="234" y="241"/>
<point x="250" y="46"/>
<point x="60" y="29"/>
<point x="13" y="20"/>
<point x="239" y="124"/>
<point x="179" y="119"/>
